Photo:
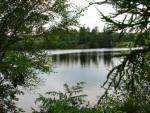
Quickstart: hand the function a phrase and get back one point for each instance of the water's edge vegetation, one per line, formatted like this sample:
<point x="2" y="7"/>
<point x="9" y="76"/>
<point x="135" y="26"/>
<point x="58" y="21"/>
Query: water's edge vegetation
<point x="84" y="38"/>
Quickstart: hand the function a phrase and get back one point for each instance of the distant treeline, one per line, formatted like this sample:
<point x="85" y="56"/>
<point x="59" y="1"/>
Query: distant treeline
<point x="77" y="39"/>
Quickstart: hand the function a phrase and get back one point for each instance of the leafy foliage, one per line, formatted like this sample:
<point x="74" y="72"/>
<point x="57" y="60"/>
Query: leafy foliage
<point x="8" y="98"/>
<point x="22" y="21"/>
<point x="127" y="85"/>
<point x="68" y="101"/>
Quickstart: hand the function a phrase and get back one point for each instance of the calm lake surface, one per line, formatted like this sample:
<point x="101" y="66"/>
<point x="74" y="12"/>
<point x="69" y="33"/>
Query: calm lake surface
<point x="71" y="66"/>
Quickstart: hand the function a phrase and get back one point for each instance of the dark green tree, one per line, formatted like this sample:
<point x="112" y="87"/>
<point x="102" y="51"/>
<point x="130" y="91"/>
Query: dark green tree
<point x="22" y="21"/>
<point x="107" y="38"/>
<point x="92" y="42"/>
<point x="83" y="35"/>
<point x="130" y="80"/>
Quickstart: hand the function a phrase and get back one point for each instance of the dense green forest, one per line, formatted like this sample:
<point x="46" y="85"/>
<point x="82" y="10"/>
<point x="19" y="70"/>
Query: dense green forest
<point x="127" y="88"/>
<point x="79" y="39"/>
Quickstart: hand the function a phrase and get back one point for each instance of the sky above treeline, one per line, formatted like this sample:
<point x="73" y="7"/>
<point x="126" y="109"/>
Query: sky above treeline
<point x="91" y="17"/>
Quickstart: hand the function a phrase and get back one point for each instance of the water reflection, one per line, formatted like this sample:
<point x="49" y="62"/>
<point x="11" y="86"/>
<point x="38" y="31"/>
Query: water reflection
<point x="71" y="68"/>
<point x="85" y="59"/>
